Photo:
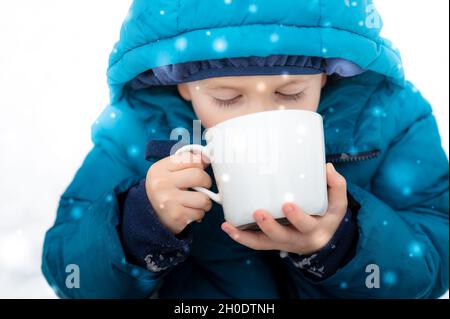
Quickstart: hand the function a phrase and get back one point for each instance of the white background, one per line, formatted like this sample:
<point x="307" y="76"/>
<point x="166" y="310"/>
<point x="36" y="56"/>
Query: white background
<point x="53" y="59"/>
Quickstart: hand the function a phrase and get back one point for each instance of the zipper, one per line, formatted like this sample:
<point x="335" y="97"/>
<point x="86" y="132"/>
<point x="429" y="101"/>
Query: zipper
<point x="345" y="157"/>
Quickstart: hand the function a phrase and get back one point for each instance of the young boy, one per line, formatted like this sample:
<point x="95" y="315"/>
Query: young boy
<point x="127" y="223"/>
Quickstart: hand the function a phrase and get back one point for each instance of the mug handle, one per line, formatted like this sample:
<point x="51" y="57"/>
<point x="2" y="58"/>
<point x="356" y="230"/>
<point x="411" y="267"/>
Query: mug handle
<point x="201" y="149"/>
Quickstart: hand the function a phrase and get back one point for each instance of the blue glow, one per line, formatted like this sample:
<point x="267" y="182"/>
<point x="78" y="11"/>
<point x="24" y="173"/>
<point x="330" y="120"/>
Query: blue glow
<point x="220" y="44"/>
<point x="133" y="151"/>
<point x="389" y="278"/>
<point x="76" y="213"/>
<point x="181" y="44"/>
<point x="109" y="198"/>
<point x="135" y="272"/>
<point x="415" y="249"/>
<point x="253" y="8"/>
<point x="406" y="191"/>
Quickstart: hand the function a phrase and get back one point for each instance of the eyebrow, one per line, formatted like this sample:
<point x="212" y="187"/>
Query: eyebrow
<point x="225" y="86"/>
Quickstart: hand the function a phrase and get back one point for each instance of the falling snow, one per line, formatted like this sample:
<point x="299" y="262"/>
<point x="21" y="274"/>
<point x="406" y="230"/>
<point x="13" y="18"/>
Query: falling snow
<point x="220" y="44"/>
<point x="274" y="37"/>
<point x="109" y="198"/>
<point x="389" y="278"/>
<point x="181" y="44"/>
<point x="133" y="151"/>
<point x="288" y="197"/>
<point x="76" y="213"/>
<point x="253" y="8"/>
<point x="415" y="249"/>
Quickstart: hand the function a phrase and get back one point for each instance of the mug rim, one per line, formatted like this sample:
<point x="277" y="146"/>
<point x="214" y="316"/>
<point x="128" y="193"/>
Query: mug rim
<point x="264" y="113"/>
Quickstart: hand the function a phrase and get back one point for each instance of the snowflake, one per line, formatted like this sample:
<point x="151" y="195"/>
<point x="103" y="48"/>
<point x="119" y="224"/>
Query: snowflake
<point x="76" y="213"/>
<point x="225" y="178"/>
<point x="415" y="249"/>
<point x="261" y="87"/>
<point x="389" y="278"/>
<point x="274" y="37"/>
<point x="133" y="151"/>
<point x="288" y="197"/>
<point x="252" y="8"/>
<point x="181" y="44"/>
<point x="220" y="44"/>
<point x="406" y="191"/>
<point x="109" y="198"/>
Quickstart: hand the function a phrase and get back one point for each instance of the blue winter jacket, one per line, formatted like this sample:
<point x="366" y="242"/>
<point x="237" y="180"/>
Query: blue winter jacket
<point x="379" y="131"/>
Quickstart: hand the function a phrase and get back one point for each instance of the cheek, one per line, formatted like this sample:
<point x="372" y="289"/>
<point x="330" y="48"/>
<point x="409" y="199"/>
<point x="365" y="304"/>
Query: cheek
<point x="208" y="114"/>
<point x="312" y="101"/>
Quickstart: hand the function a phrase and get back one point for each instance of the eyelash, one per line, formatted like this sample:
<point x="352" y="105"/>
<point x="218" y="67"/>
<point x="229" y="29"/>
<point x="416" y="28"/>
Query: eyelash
<point x="293" y="97"/>
<point x="228" y="103"/>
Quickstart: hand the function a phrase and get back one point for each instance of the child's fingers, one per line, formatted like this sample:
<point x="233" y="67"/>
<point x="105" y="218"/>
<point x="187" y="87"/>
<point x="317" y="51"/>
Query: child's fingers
<point x="190" y="177"/>
<point x="184" y="160"/>
<point x="194" y="199"/>
<point x="303" y="222"/>
<point x="337" y="192"/>
<point x="192" y="214"/>
<point x="272" y="228"/>
<point x="254" y="240"/>
<point x="177" y="216"/>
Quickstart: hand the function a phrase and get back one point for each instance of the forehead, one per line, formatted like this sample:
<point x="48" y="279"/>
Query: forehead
<point x="252" y="81"/>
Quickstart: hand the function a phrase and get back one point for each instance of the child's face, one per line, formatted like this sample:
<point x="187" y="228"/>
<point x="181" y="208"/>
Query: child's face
<point x="218" y="99"/>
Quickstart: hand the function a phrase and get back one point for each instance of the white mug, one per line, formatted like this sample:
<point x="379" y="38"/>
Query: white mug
<point x="262" y="160"/>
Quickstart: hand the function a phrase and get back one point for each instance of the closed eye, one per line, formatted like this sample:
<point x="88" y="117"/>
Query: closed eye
<point x="227" y="103"/>
<point x="291" y="97"/>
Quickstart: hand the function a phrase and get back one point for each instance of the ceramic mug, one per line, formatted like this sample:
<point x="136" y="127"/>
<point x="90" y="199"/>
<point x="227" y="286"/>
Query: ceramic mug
<point x="262" y="160"/>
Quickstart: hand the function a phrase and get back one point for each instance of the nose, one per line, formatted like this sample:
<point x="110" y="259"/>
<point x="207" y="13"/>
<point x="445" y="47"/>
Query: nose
<point x="266" y="103"/>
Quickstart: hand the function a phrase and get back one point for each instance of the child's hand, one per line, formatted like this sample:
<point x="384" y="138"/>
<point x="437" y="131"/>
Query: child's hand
<point x="166" y="184"/>
<point x="306" y="234"/>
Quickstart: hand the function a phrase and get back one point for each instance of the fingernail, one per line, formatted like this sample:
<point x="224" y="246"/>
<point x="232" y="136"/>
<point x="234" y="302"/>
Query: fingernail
<point x="288" y="208"/>
<point x="226" y="229"/>
<point x="259" y="217"/>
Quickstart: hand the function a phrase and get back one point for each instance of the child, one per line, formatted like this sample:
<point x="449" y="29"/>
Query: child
<point x="126" y="220"/>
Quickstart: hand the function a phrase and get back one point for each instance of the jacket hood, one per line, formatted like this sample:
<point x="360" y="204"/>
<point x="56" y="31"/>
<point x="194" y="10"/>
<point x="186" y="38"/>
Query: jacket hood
<point x="162" y="32"/>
